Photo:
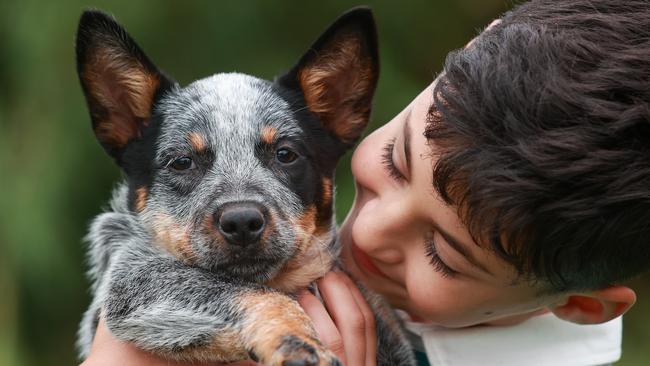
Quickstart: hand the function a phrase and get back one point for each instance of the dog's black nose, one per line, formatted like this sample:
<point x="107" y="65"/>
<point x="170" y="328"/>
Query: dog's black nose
<point x="241" y="224"/>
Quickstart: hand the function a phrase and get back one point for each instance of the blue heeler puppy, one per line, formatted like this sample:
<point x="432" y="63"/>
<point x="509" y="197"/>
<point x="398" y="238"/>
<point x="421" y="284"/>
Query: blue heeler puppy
<point x="226" y="207"/>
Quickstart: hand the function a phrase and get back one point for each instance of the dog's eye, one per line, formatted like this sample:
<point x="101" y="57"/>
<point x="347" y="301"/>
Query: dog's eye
<point x="285" y="156"/>
<point x="182" y="163"/>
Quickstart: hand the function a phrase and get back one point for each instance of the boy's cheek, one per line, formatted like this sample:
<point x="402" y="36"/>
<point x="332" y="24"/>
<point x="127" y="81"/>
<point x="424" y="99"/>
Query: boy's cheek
<point x="451" y="303"/>
<point x="441" y="304"/>
<point x="499" y="307"/>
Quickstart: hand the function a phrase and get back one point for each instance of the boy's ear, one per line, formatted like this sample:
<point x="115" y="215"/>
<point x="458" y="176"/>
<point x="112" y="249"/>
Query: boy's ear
<point x="596" y="307"/>
<point x="338" y="74"/>
<point x="120" y="83"/>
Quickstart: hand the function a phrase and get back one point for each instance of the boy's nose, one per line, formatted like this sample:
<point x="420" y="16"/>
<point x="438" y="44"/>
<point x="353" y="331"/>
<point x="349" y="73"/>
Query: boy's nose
<point x="241" y="223"/>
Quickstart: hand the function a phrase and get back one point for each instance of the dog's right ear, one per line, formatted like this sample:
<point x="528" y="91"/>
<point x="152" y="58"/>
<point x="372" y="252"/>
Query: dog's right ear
<point x="338" y="74"/>
<point x="120" y="83"/>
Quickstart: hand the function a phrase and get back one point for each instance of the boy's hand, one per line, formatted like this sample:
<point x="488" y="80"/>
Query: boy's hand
<point x="108" y="351"/>
<point x="345" y="323"/>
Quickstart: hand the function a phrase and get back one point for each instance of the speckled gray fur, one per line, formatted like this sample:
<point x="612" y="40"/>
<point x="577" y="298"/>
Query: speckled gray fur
<point x="160" y="304"/>
<point x="162" y="276"/>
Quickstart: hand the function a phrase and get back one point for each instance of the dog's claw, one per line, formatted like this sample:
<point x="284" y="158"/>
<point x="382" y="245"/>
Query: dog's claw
<point x="294" y="351"/>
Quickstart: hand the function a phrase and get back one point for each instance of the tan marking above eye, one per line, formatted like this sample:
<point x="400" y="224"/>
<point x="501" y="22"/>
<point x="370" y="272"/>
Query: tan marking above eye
<point x="268" y="134"/>
<point x="197" y="141"/>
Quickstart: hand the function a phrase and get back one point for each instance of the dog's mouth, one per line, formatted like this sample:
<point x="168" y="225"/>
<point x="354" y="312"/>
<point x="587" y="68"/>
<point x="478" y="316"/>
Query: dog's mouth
<point x="255" y="263"/>
<point x="278" y="266"/>
<point x="290" y="253"/>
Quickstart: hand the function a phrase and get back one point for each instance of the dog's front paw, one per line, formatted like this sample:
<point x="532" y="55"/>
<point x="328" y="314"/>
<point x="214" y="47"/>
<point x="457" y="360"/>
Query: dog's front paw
<point x="294" y="351"/>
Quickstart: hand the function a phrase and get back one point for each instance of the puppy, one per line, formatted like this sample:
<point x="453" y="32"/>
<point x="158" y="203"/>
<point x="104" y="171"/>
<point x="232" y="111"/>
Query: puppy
<point x="226" y="207"/>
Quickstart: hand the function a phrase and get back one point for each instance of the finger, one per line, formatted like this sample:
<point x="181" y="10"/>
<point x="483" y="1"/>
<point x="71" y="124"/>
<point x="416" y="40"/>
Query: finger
<point x="369" y="318"/>
<point x="327" y="331"/>
<point x="347" y="316"/>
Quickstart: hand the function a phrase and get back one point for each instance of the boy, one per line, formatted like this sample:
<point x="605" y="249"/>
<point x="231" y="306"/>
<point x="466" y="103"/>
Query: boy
<point x="536" y="138"/>
<point x="537" y="141"/>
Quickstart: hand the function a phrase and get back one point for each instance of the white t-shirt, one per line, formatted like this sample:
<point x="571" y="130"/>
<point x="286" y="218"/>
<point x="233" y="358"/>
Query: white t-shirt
<point x="542" y="340"/>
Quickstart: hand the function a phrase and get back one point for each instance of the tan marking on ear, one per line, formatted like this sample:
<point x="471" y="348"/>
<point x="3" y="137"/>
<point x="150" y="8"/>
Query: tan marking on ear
<point x="335" y="84"/>
<point x="124" y="89"/>
<point x="197" y="141"/>
<point x="312" y="258"/>
<point x="172" y="236"/>
<point x="140" y="198"/>
<point x="268" y="134"/>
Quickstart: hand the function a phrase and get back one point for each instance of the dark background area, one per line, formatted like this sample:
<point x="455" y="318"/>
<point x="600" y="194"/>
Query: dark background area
<point x="54" y="177"/>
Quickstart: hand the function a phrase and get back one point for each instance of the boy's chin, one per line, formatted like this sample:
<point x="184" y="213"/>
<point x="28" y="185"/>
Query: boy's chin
<point x="515" y="319"/>
<point x="509" y="320"/>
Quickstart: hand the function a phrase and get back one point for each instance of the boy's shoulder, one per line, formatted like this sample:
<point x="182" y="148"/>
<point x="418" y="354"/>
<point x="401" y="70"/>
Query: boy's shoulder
<point x="542" y="340"/>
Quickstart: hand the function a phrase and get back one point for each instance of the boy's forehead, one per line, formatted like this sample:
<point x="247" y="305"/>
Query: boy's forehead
<point x="446" y="217"/>
<point x="422" y="103"/>
<point x="425" y="98"/>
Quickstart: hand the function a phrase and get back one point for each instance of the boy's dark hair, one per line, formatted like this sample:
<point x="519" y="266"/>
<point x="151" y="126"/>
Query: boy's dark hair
<point x="542" y="130"/>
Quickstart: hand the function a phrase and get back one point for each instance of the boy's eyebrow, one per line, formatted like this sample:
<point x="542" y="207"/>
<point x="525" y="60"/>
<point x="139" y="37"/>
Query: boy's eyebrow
<point x="455" y="244"/>
<point x="462" y="250"/>
<point x="407" y="140"/>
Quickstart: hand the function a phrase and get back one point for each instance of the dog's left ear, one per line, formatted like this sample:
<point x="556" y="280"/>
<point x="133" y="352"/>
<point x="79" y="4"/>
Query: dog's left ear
<point x="119" y="81"/>
<point x="338" y="74"/>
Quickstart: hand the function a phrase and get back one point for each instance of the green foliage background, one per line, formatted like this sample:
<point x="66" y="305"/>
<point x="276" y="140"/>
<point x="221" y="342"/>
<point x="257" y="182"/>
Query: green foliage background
<point x="54" y="177"/>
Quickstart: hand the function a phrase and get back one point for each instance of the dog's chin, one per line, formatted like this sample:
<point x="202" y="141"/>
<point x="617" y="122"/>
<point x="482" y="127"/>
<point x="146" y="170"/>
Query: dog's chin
<point x="252" y="269"/>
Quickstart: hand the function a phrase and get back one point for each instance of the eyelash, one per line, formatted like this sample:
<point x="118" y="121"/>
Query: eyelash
<point x="438" y="264"/>
<point x="387" y="160"/>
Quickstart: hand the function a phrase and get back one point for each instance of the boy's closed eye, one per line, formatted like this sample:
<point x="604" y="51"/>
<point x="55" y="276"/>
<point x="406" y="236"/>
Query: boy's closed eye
<point x="470" y="262"/>
<point x="389" y="162"/>
<point x="397" y="154"/>
<point x="439" y="264"/>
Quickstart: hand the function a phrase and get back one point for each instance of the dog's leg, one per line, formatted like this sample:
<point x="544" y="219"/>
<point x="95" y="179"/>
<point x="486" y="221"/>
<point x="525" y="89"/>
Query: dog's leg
<point x="187" y="313"/>
<point x="392" y="346"/>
